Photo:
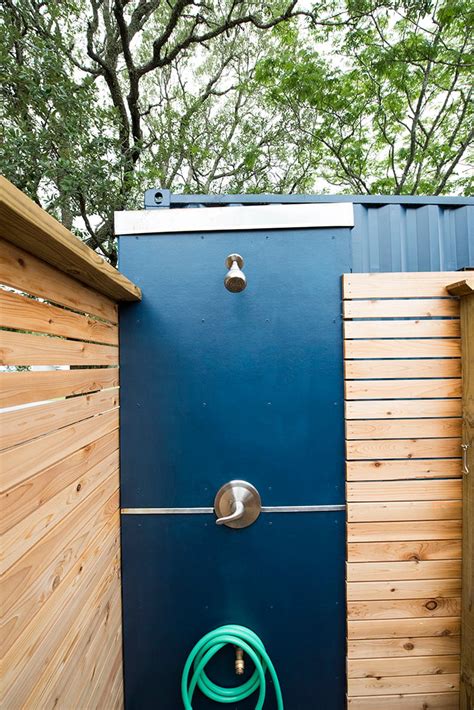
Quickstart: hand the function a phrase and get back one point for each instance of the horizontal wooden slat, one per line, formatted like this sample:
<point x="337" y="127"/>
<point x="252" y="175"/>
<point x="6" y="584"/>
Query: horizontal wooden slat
<point x="403" y="684"/>
<point x="27" y="423"/>
<point x="403" y="449"/>
<point x="395" y="531"/>
<point x="54" y="619"/>
<point x="398" y="409"/>
<point x="410" y="511"/>
<point x="401" y="308"/>
<point x="23" y="271"/>
<point x="403" y="589"/>
<point x="403" y="469"/>
<point x="22" y="462"/>
<point x="395" y="648"/>
<point x="402" y="389"/>
<point x="25" y="224"/>
<point x="365" y="491"/>
<point x="385" y="571"/>
<point x="429" y="347"/>
<point x="20" y="538"/>
<point x="448" y="328"/>
<point x="23" y="500"/>
<point x="423" y="701"/>
<point x="390" y="667"/>
<point x="24" y="349"/>
<point x="404" y="608"/>
<point x="415" y="550"/>
<point x="94" y="633"/>
<point x="464" y="287"/>
<point x="22" y="313"/>
<point x="397" y="285"/>
<point x="23" y="387"/>
<point x="34" y="578"/>
<point x="410" y="368"/>
<point x="403" y="428"/>
<point x="440" y="627"/>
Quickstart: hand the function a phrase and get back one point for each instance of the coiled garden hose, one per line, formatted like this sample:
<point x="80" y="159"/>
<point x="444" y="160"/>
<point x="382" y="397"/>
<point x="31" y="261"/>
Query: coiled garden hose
<point x="207" y="647"/>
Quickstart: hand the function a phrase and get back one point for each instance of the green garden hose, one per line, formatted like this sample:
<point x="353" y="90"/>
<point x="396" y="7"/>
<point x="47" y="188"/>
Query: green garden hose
<point x="207" y="647"/>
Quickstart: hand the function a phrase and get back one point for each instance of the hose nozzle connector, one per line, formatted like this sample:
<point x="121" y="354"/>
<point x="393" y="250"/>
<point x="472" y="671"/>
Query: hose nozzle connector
<point x="239" y="661"/>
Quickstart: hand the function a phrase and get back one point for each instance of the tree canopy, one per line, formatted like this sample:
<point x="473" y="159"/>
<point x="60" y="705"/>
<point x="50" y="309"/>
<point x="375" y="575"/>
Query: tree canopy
<point x="105" y="98"/>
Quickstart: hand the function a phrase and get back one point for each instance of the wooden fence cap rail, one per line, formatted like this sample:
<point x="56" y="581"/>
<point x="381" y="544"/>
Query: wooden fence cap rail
<point x="27" y="225"/>
<point x="462" y="288"/>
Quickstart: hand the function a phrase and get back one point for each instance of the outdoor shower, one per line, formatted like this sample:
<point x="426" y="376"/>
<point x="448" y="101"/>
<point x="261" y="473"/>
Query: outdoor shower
<point x="235" y="280"/>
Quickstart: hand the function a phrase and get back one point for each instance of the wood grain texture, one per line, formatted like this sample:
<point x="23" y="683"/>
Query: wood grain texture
<point x="439" y="627"/>
<point x="403" y="428"/>
<point x="444" y="328"/>
<point x="414" y="368"/>
<point x="23" y="666"/>
<point x="21" y="462"/>
<point x="415" y="550"/>
<point x="467" y="651"/>
<point x="403" y="589"/>
<point x="29" y="227"/>
<point x="399" y="348"/>
<point x="22" y="313"/>
<point x="22" y="500"/>
<point x="27" y="423"/>
<point x="404" y="608"/>
<point x="25" y="349"/>
<point x="407" y="510"/>
<point x="403" y="469"/>
<point x="61" y="641"/>
<point x="401" y="308"/>
<point x="23" y="387"/>
<point x="409" y="569"/>
<point x="394" y="648"/>
<point x="407" y="701"/>
<point x="23" y="271"/>
<point x="404" y="489"/>
<point x="391" y="667"/>
<point x="403" y="408"/>
<point x="403" y="684"/>
<point x="35" y="576"/>
<point x="403" y="389"/>
<point x="20" y="538"/>
<point x="398" y="285"/>
<point x="403" y="449"/>
<point x="365" y="491"/>
<point x="399" y="531"/>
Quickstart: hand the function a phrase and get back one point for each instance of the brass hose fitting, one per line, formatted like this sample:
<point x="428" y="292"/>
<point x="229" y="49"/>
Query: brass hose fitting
<point x="239" y="661"/>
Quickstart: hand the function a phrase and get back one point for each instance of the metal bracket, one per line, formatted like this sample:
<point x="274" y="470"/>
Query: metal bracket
<point x="465" y="467"/>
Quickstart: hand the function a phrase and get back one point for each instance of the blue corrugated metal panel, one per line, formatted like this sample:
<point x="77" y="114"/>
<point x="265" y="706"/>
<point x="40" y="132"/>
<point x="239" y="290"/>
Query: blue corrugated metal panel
<point x="412" y="238"/>
<point x="391" y="233"/>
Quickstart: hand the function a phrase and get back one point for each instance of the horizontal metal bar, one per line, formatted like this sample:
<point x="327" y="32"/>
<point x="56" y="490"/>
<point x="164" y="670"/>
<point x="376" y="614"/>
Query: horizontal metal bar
<point x="222" y="219"/>
<point x="301" y="508"/>
<point x="208" y="511"/>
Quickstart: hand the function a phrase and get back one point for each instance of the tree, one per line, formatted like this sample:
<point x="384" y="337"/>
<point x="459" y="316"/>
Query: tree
<point x="387" y="108"/>
<point x="105" y="98"/>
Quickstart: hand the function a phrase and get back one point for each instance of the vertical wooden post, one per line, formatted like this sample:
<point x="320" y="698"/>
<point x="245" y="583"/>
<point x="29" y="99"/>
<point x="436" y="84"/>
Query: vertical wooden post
<point x="465" y="290"/>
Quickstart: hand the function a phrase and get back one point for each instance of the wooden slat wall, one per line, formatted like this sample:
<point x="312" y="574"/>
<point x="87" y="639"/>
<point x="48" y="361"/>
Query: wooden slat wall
<point x="404" y="490"/>
<point x="61" y="640"/>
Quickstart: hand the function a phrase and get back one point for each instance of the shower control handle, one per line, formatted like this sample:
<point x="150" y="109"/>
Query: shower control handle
<point x="237" y="504"/>
<point x="236" y="515"/>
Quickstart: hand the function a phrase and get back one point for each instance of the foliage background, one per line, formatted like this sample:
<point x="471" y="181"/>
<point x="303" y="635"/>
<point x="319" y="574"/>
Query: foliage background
<point x="103" y="99"/>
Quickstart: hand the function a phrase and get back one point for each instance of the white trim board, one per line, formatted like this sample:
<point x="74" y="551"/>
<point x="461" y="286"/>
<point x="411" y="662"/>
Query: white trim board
<point x="222" y="219"/>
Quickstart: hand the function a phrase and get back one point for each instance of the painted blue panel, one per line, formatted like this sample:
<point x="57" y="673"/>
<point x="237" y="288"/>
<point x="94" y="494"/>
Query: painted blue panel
<point x="217" y="385"/>
<point x="283" y="577"/>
